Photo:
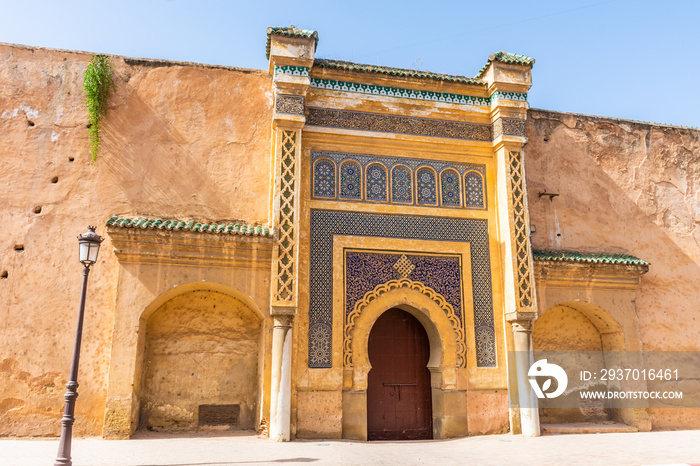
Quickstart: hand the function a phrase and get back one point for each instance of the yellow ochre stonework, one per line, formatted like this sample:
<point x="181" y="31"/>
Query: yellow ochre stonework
<point x="258" y="224"/>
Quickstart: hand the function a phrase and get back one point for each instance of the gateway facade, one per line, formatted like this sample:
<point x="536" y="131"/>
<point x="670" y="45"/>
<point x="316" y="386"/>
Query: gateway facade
<point x="329" y="249"/>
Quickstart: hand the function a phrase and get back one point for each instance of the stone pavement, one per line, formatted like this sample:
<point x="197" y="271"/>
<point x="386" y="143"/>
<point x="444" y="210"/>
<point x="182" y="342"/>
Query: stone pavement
<point x="651" y="448"/>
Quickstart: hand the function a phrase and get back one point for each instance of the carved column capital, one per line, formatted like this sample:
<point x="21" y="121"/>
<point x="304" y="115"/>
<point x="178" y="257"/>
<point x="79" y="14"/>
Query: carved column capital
<point x="521" y="326"/>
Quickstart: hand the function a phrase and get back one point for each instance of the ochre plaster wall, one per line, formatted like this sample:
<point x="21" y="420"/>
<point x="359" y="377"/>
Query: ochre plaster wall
<point x="632" y="188"/>
<point x="178" y="142"/>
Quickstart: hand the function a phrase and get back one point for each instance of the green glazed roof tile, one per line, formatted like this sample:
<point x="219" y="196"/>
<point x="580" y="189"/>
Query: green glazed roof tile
<point x="587" y="257"/>
<point x="505" y="57"/>
<point x="224" y="228"/>
<point x="290" y="31"/>
<point x="349" y="66"/>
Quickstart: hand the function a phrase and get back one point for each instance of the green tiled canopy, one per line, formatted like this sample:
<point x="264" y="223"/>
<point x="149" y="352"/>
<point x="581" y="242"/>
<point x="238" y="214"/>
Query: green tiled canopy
<point x="228" y="228"/>
<point x="349" y="66"/>
<point x="587" y="257"/>
<point x="289" y="31"/>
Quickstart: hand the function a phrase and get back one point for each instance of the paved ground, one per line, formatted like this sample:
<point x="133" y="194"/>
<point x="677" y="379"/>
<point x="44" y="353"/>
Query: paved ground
<point x="653" y="448"/>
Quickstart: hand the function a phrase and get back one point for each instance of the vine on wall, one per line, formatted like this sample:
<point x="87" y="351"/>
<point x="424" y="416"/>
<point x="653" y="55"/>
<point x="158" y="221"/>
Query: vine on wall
<point x="97" y="84"/>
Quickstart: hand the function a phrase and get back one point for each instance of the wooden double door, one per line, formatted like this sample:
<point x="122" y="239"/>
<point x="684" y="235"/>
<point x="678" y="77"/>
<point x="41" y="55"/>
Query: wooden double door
<point x="399" y="403"/>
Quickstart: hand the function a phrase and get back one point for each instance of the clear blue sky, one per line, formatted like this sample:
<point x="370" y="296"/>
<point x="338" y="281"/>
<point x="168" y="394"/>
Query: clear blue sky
<point x="618" y="58"/>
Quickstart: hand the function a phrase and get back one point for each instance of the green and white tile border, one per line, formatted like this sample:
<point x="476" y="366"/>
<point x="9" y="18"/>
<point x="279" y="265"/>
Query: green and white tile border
<point x="413" y="94"/>
<point x="292" y="70"/>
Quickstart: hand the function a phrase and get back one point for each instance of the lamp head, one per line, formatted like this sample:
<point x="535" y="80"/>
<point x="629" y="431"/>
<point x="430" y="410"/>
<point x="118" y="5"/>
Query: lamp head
<point x="89" y="246"/>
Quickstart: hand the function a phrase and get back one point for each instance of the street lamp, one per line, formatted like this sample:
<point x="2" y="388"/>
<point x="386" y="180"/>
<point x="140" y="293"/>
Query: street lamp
<point x="89" y="246"/>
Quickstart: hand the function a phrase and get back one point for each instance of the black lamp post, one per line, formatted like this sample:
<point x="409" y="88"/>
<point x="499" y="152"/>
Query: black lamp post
<point x="89" y="245"/>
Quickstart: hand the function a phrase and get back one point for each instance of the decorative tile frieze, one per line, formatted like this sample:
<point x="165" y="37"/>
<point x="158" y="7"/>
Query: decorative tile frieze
<point x="326" y="224"/>
<point x="372" y="89"/>
<point x="397" y="124"/>
<point x="409" y="181"/>
<point x="397" y="92"/>
<point x="292" y="70"/>
<point x="498" y="95"/>
<point x="290" y="104"/>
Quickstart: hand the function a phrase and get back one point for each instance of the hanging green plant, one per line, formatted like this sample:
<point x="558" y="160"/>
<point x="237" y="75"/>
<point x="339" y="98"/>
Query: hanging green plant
<point x="97" y="84"/>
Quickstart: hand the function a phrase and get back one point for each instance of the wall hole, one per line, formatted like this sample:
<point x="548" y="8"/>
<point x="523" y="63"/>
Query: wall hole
<point x="71" y="158"/>
<point x="4" y="274"/>
<point x="54" y="180"/>
<point x="37" y="209"/>
<point x="546" y="139"/>
<point x="30" y="122"/>
<point x="19" y="247"/>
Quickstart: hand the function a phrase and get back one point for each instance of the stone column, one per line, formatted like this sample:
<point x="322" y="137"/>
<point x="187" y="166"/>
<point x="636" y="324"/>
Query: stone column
<point x="281" y="380"/>
<point x="522" y="342"/>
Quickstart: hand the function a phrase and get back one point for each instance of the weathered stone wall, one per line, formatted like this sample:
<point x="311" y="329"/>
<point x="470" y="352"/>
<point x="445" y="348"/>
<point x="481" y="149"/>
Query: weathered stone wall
<point x="625" y="187"/>
<point x="201" y="349"/>
<point x="180" y="140"/>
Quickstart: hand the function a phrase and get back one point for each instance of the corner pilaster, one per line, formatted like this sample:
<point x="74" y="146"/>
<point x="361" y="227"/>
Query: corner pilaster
<point x="291" y="53"/>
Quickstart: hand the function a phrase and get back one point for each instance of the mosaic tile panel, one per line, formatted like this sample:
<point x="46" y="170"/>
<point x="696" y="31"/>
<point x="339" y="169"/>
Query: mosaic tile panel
<point x="376" y="180"/>
<point x="325" y="224"/>
<point x="350" y="180"/>
<point x="324" y="179"/>
<point x="401" y="179"/>
<point x="364" y="271"/>
<point x="397" y="124"/>
<point x="450" y="189"/>
<point x="426" y="188"/>
<point x="401" y="185"/>
<point x="474" y="188"/>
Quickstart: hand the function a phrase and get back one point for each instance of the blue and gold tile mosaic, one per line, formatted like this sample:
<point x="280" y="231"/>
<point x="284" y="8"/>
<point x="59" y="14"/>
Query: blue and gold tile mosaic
<point x="397" y="180"/>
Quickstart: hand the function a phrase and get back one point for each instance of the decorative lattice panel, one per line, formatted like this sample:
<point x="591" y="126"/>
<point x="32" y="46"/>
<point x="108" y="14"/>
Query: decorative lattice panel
<point x="284" y="289"/>
<point x="520" y="233"/>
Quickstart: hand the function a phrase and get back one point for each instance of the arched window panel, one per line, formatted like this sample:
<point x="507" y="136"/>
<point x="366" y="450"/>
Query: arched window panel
<point x="426" y="189"/>
<point x="449" y="188"/>
<point x="324" y="179"/>
<point x="376" y="181"/>
<point x="351" y="180"/>
<point x="401" y="185"/>
<point x="474" y="190"/>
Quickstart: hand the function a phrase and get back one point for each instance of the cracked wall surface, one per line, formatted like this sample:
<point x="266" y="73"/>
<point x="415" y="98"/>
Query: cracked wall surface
<point x="632" y="188"/>
<point x="178" y="141"/>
